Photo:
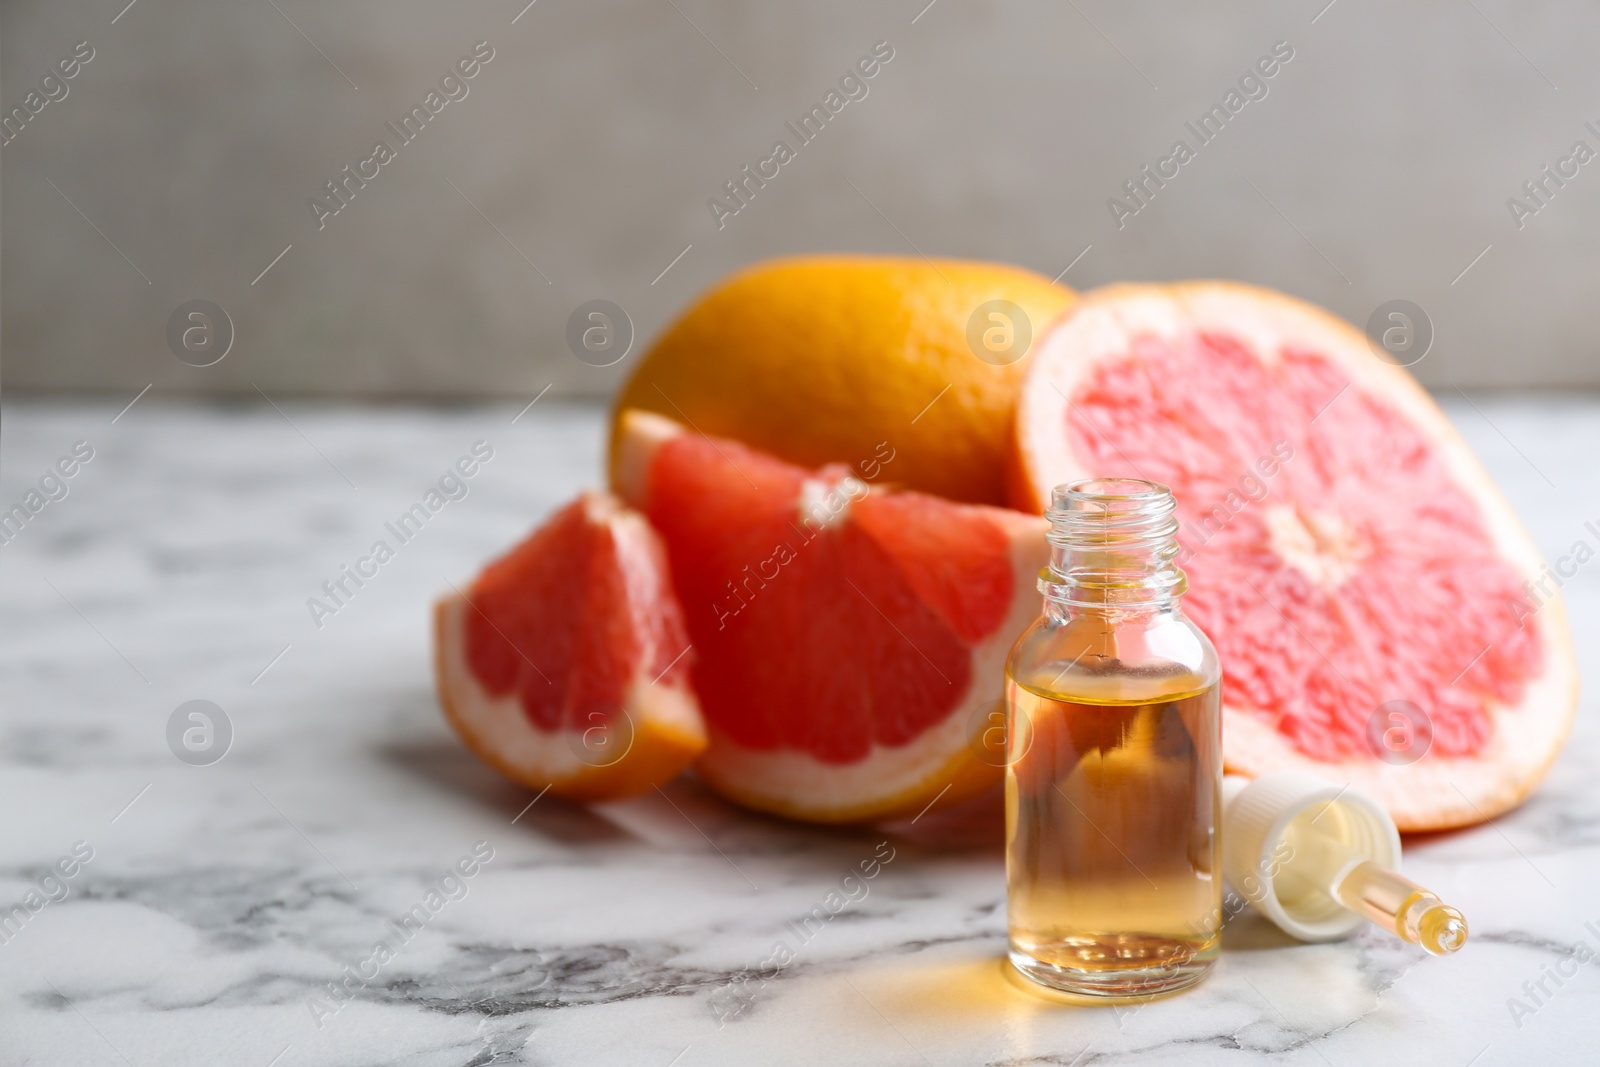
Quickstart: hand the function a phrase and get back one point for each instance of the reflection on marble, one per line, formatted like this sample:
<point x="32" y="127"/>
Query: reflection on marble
<point x="223" y="904"/>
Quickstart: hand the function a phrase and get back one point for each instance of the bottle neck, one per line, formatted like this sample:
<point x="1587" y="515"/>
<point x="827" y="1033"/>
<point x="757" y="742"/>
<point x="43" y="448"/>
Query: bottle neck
<point x="1113" y="546"/>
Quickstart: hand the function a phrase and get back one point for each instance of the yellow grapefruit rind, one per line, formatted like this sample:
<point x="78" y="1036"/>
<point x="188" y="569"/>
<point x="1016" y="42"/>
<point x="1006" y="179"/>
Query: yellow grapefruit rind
<point x="820" y="359"/>
<point x="667" y="732"/>
<point x="1433" y="793"/>
<point x="941" y="768"/>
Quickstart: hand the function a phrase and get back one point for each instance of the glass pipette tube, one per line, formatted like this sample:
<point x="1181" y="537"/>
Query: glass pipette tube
<point x="1321" y="862"/>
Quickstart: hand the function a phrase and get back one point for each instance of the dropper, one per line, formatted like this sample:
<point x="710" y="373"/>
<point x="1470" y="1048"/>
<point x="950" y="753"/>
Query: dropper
<point x="1318" y="860"/>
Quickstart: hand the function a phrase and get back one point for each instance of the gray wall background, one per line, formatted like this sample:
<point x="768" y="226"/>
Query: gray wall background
<point x="1377" y="167"/>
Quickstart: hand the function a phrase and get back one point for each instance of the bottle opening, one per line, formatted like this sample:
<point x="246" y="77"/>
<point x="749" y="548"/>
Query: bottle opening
<point x="1113" y="541"/>
<point x="1106" y="492"/>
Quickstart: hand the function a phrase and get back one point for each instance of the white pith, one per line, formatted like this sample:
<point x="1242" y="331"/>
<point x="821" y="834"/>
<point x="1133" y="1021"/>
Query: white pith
<point x="1320" y="545"/>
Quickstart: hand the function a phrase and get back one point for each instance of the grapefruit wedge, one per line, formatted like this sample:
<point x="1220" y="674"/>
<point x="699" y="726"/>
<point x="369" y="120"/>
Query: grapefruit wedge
<point x="565" y="663"/>
<point x="1360" y="575"/>
<point x="849" y="639"/>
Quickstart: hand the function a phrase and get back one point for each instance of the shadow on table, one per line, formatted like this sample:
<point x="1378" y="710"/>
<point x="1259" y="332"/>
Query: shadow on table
<point x="440" y="763"/>
<point x="684" y="812"/>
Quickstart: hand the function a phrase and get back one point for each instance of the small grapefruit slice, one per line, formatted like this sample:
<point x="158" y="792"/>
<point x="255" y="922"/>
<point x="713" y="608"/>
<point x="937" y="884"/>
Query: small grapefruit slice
<point x="1362" y="578"/>
<point x="564" y="664"/>
<point x="849" y="639"/>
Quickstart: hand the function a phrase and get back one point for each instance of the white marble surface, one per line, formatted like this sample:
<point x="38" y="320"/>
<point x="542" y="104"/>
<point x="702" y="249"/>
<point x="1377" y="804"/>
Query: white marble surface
<point x="226" y="897"/>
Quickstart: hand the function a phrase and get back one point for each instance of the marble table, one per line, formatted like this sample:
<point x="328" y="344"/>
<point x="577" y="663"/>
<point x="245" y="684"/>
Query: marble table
<point x="224" y="913"/>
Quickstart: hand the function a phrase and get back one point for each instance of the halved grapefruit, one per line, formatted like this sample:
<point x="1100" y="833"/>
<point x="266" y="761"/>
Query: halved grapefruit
<point x="566" y="663"/>
<point x="849" y="639"/>
<point x="1360" y="575"/>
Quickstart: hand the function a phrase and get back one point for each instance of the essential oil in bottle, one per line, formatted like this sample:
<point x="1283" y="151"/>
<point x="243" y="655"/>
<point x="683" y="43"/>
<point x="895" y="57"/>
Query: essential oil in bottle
<point x="1114" y="763"/>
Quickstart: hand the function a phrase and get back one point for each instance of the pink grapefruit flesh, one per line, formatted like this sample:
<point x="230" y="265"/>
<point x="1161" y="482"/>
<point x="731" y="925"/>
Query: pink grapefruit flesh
<point x="1346" y="552"/>
<point x="847" y="637"/>
<point x="566" y="665"/>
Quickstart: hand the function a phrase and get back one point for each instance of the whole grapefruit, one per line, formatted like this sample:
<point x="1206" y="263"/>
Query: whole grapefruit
<point x="822" y="359"/>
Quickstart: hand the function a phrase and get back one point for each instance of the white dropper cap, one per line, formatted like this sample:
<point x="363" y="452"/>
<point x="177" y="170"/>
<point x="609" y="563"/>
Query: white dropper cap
<point x="1318" y="859"/>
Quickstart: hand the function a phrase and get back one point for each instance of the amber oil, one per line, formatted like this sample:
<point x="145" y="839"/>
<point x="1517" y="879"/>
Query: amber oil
<point x="1114" y="766"/>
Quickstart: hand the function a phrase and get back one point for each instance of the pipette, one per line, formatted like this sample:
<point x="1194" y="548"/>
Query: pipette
<point x="1318" y="860"/>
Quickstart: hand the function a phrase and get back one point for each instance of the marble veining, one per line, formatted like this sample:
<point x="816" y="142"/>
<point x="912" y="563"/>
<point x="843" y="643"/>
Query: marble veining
<point x="229" y="912"/>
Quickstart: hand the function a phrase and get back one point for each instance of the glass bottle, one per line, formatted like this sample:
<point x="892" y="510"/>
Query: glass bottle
<point x="1114" y="765"/>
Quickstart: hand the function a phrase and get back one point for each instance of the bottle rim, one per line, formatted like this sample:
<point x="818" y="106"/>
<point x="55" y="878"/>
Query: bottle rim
<point x="1113" y="540"/>
<point x="1110" y="489"/>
